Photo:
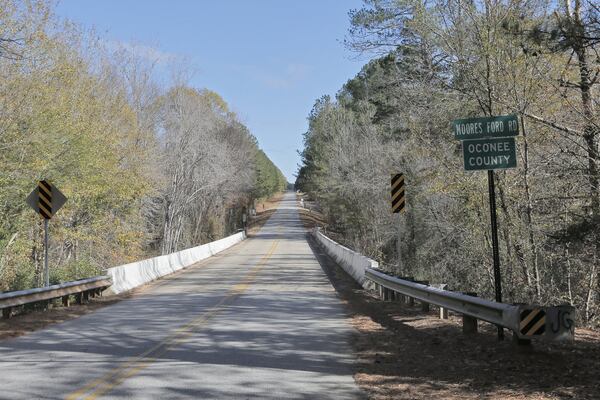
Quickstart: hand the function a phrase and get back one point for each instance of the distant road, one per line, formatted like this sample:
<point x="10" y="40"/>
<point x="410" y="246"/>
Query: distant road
<point x="258" y="321"/>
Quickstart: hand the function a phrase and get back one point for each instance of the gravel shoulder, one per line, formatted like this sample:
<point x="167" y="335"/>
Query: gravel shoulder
<point x="404" y="353"/>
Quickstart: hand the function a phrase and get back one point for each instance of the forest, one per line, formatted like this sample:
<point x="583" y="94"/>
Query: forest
<point x="149" y="167"/>
<point x="435" y="61"/>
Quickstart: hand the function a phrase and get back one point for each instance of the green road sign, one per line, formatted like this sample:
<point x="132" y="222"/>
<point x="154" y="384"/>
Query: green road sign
<point x="488" y="154"/>
<point x="489" y="127"/>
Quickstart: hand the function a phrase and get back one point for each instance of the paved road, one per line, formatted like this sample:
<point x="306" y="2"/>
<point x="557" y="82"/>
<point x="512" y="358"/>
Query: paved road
<point x="259" y="320"/>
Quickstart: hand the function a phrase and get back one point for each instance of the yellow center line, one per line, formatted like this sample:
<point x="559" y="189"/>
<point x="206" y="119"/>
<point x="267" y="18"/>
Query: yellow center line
<point x="119" y="374"/>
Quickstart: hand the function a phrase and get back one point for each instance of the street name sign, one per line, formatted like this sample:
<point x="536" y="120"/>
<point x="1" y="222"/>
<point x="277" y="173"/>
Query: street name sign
<point x="488" y="127"/>
<point x="489" y="154"/>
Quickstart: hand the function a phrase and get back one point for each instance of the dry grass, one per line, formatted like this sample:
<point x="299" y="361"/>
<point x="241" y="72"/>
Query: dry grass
<point x="311" y="219"/>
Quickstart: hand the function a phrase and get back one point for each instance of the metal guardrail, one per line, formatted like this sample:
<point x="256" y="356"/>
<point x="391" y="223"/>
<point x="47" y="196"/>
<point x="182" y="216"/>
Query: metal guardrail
<point x="527" y="321"/>
<point x="82" y="290"/>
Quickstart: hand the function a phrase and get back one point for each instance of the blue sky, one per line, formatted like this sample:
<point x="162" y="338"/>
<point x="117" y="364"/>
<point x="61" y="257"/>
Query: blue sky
<point x="270" y="60"/>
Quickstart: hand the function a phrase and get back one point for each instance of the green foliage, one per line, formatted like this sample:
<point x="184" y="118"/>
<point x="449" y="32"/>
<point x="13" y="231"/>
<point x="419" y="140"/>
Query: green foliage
<point x="74" y="270"/>
<point x="93" y="122"/>
<point x="269" y="179"/>
<point x="438" y="61"/>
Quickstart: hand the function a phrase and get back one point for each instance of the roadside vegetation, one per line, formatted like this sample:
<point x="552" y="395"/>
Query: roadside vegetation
<point x="436" y="61"/>
<point x="148" y="167"/>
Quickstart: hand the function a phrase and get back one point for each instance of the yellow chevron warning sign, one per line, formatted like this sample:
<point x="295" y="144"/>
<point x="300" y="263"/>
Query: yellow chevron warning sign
<point x="46" y="199"/>
<point x="398" y="201"/>
<point x="533" y="322"/>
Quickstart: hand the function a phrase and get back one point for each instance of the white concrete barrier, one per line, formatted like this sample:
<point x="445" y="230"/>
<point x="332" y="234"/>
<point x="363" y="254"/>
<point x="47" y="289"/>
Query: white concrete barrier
<point x="352" y="262"/>
<point x="128" y="276"/>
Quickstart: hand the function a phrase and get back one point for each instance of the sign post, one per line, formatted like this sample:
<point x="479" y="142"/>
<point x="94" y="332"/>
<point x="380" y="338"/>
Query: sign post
<point x="495" y="244"/>
<point x="398" y="205"/>
<point x="46" y="200"/>
<point x="487" y="145"/>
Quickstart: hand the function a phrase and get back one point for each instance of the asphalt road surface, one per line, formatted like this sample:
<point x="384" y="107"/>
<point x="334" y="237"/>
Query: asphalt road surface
<point x="258" y="321"/>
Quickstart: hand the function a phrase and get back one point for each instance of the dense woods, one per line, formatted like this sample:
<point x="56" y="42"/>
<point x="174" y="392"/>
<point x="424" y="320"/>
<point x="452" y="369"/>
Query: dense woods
<point x="147" y="167"/>
<point x="436" y="61"/>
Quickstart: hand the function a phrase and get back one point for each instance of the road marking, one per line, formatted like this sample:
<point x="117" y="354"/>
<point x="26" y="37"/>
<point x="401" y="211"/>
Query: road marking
<point x="118" y="375"/>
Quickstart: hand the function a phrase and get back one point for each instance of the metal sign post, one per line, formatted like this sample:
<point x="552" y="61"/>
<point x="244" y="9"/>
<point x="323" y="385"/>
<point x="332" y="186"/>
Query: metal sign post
<point x="46" y="200"/>
<point x="487" y="145"/>
<point x="46" y="272"/>
<point x="495" y="246"/>
<point x="398" y="207"/>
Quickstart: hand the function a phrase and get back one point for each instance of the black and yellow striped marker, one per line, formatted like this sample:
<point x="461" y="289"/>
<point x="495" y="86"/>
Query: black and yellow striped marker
<point x="533" y="322"/>
<point x="398" y="200"/>
<point x="46" y="199"/>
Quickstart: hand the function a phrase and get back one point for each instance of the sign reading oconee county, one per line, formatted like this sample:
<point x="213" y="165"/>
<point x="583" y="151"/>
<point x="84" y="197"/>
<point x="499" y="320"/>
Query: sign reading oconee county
<point x="489" y="154"/>
<point x="488" y="127"/>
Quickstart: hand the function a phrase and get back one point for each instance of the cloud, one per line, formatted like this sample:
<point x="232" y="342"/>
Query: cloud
<point x="287" y="77"/>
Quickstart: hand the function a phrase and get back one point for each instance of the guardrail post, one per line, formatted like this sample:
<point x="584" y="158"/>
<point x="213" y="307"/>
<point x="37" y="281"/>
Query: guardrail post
<point x="387" y="294"/>
<point x="469" y="324"/>
<point x="424" y="305"/>
<point x="443" y="313"/>
<point x="66" y="300"/>
<point x="7" y="312"/>
<point x="86" y="296"/>
<point x="411" y="301"/>
<point x="79" y="298"/>
<point x="517" y="341"/>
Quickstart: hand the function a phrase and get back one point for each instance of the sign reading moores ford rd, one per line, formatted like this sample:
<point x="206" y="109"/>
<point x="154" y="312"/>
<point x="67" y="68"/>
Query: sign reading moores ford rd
<point x="488" y="127"/>
<point x="488" y="154"/>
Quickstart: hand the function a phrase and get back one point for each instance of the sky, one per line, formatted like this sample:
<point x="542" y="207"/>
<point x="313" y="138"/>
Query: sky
<point x="269" y="60"/>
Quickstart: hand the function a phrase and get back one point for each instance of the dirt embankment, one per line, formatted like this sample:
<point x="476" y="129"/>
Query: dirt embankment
<point x="404" y="353"/>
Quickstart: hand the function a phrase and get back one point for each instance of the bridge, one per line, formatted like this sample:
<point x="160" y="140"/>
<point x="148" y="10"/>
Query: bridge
<point x="259" y="320"/>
